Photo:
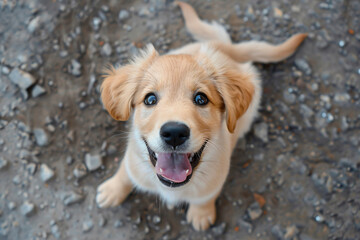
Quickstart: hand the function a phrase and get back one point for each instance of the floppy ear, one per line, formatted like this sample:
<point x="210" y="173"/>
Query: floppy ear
<point x="120" y="85"/>
<point x="237" y="91"/>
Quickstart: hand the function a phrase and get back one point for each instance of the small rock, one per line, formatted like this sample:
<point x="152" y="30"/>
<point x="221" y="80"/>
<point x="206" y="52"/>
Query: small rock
<point x="80" y="171"/>
<point x="246" y="225"/>
<point x="118" y="223"/>
<point x="303" y="66"/>
<point x="156" y="219"/>
<point x="277" y="231"/>
<point x="11" y="205"/>
<point x="34" y="24"/>
<point x="102" y="221"/>
<point x="40" y="137"/>
<point x="289" y="97"/>
<point x="31" y="168"/>
<point x="46" y="173"/>
<point x="344" y="123"/>
<point x="3" y="163"/>
<point x="342" y="43"/>
<point x="27" y="208"/>
<point x="16" y="180"/>
<point x="22" y="79"/>
<point x="123" y="15"/>
<point x="69" y="160"/>
<point x="219" y="229"/>
<point x="5" y="70"/>
<point x="106" y="50"/>
<point x="55" y="231"/>
<point x="93" y="162"/>
<point x="291" y="232"/>
<point x="3" y="124"/>
<point x="87" y="225"/>
<point x="74" y="68"/>
<point x="254" y="211"/>
<point x="342" y="98"/>
<point x="278" y="13"/>
<point x="261" y="131"/>
<point x="319" y="218"/>
<point x="37" y="91"/>
<point x="72" y="198"/>
<point x="96" y="23"/>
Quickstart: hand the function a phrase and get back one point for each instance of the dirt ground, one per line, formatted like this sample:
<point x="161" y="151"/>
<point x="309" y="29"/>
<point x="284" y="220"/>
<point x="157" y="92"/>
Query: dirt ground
<point x="296" y="175"/>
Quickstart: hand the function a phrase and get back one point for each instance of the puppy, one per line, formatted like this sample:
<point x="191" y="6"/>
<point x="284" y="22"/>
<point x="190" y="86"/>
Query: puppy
<point x="187" y="110"/>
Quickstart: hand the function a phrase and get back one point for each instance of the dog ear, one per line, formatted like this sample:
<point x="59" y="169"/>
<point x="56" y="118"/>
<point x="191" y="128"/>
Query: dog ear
<point x="120" y="85"/>
<point x="237" y="91"/>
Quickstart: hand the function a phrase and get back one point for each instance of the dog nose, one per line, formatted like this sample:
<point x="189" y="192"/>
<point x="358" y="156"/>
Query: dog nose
<point x="174" y="133"/>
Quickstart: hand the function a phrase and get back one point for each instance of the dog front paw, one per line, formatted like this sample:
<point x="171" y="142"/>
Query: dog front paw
<point x="201" y="216"/>
<point x="111" y="193"/>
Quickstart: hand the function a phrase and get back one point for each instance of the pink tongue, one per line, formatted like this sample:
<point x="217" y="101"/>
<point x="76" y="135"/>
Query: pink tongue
<point x="173" y="166"/>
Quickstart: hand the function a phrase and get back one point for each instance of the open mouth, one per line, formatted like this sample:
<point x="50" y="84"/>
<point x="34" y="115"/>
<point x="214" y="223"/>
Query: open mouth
<point x="172" y="168"/>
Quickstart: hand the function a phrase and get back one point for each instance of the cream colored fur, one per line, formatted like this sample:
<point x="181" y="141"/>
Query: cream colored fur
<point x="215" y="56"/>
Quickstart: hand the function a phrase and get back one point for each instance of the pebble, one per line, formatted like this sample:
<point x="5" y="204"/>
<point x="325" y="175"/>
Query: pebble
<point x="3" y="124"/>
<point x="5" y="70"/>
<point x="31" y="168"/>
<point x="219" y="229"/>
<point x="278" y="13"/>
<point x="41" y="137"/>
<point x="96" y="23"/>
<point x="34" y="24"/>
<point x="55" y="231"/>
<point x="16" y="180"/>
<point x="74" y="68"/>
<point x="118" y="223"/>
<point x="246" y="225"/>
<point x="106" y="50"/>
<point x="254" y="211"/>
<point x="72" y="198"/>
<point x="289" y="97"/>
<point x="291" y="232"/>
<point x="80" y="171"/>
<point x="4" y="228"/>
<point x="93" y="162"/>
<point x="46" y="173"/>
<point x="11" y="205"/>
<point x="342" y="98"/>
<point x="22" y="79"/>
<point x="123" y="15"/>
<point x="319" y="218"/>
<point x="277" y="231"/>
<point x="87" y="225"/>
<point x="69" y="160"/>
<point x="342" y="43"/>
<point x="156" y="219"/>
<point x="3" y="163"/>
<point x="27" y="208"/>
<point x="303" y="66"/>
<point x="38" y="91"/>
<point x="261" y="131"/>
<point x="102" y="221"/>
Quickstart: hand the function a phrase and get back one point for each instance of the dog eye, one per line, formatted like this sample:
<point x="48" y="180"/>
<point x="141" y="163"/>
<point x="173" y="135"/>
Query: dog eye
<point x="201" y="99"/>
<point x="150" y="99"/>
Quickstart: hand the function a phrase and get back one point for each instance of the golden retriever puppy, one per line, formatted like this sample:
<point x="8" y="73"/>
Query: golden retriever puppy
<point x="187" y="110"/>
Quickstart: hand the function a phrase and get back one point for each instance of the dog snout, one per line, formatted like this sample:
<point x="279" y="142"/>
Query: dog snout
<point x="175" y="133"/>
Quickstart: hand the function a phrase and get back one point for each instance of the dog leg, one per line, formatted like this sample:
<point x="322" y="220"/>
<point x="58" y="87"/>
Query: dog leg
<point x="113" y="191"/>
<point x="202" y="215"/>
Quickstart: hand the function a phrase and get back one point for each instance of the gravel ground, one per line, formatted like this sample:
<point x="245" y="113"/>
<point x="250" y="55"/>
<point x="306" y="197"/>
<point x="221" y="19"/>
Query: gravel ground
<point x="296" y="175"/>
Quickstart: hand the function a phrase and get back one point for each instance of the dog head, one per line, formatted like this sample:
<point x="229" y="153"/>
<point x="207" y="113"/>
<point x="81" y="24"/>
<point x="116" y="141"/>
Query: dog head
<point x="178" y="103"/>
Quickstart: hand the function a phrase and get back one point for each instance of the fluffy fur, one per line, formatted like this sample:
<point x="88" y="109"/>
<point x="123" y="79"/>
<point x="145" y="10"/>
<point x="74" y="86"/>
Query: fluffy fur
<point x="215" y="66"/>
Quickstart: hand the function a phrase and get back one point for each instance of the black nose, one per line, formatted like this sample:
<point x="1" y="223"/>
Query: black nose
<point x="174" y="133"/>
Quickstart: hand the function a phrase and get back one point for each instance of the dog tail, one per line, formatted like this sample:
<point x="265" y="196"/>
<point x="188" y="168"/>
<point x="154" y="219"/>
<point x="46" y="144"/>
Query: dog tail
<point x="262" y="52"/>
<point x="200" y="30"/>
